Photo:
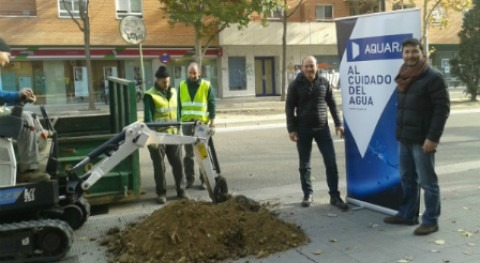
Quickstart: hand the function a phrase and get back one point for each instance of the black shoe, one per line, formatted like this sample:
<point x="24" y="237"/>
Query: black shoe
<point x="181" y="194"/>
<point x="202" y="186"/>
<point x="397" y="220"/>
<point x="189" y="185"/>
<point x="307" y="201"/>
<point x="161" y="199"/>
<point x="338" y="202"/>
<point x="423" y="230"/>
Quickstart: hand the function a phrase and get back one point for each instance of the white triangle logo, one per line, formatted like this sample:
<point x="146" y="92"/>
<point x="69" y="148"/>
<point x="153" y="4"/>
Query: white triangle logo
<point x="363" y="102"/>
<point x="355" y="50"/>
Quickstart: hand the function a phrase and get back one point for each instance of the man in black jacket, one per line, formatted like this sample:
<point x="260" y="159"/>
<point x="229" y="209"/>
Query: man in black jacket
<point x="308" y="98"/>
<point x="423" y="106"/>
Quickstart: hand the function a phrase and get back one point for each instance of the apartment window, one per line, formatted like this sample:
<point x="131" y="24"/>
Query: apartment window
<point x="129" y="8"/>
<point x="68" y="5"/>
<point x="438" y="16"/>
<point x="18" y="8"/>
<point x="276" y="14"/>
<point x="324" y="12"/>
<point x="237" y="78"/>
<point x="401" y="5"/>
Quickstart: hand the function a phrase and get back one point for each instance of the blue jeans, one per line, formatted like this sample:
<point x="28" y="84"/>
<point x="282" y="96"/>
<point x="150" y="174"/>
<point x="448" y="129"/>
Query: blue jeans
<point x="325" y="144"/>
<point x="417" y="169"/>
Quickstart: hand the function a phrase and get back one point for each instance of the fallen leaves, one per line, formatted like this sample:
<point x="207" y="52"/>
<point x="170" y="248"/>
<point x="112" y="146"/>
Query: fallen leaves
<point x="465" y="233"/>
<point x="406" y="259"/>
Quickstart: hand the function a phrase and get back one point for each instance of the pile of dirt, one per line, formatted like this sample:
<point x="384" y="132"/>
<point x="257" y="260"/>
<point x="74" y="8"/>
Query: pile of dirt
<point x="193" y="231"/>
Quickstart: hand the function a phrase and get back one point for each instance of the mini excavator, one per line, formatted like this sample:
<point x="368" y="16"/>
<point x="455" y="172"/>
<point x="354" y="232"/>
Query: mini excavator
<point x="37" y="219"/>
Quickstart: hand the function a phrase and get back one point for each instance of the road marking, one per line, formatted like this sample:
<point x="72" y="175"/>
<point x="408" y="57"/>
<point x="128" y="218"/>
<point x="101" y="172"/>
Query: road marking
<point x="464" y="111"/>
<point x="458" y="167"/>
<point x="251" y="127"/>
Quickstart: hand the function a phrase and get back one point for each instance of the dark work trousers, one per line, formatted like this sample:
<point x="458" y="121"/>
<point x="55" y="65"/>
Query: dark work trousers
<point x="188" y="159"/>
<point x="174" y="156"/>
<point x="324" y="142"/>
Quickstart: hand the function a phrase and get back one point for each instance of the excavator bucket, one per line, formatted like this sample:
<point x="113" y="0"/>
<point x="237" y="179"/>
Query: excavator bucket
<point x="210" y="171"/>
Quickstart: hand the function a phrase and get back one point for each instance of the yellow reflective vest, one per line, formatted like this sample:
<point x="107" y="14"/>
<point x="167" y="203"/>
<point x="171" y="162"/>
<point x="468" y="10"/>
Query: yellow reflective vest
<point x="196" y="109"/>
<point x="165" y="110"/>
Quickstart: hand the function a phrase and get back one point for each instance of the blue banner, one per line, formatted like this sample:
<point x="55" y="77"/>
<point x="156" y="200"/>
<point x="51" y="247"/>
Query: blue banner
<point x="370" y="51"/>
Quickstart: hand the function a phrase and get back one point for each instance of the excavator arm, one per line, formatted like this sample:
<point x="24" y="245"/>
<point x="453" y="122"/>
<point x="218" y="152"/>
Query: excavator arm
<point x="138" y="135"/>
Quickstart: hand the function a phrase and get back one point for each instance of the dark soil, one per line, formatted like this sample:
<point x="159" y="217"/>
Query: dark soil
<point x="193" y="231"/>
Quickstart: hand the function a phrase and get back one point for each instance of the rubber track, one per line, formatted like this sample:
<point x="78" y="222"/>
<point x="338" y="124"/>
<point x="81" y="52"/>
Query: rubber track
<point x="33" y="226"/>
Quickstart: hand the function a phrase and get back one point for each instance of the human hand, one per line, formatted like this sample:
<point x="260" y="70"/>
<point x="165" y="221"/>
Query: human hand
<point x="340" y="132"/>
<point x="293" y="136"/>
<point x="429" y="146"/>
<point x="26" y="95"/>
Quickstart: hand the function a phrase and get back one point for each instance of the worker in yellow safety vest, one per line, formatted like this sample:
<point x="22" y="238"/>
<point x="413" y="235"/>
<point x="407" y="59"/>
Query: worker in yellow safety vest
<point x="196" y="103"/>
<point x="160" y="105"/>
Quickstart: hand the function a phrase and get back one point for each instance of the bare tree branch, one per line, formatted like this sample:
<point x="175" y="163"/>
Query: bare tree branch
<point x="72" y="17"/>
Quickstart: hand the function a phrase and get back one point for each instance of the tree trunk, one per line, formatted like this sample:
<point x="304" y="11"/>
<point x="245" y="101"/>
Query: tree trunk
<point x="91" y="89"/>
<point x="284" y="54"/>
<point x="425" y="28"/>
<point x="198" y="47"/>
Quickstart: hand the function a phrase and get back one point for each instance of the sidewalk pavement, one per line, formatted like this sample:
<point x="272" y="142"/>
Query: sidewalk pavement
<point x="356" y="236"/>
<point x="235" y="111"/>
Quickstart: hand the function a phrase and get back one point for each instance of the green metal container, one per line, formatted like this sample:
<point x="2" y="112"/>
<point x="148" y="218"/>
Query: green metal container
<point x="81" y="134"/>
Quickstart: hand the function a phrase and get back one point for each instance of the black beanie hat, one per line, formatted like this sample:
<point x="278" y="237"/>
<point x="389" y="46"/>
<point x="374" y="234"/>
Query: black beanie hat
<point x="161" y="73"/>
<point x="4" y="46"/>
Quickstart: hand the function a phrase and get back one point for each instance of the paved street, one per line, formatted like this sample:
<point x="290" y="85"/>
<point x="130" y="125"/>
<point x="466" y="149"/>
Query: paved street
<point x="261" y="163"/>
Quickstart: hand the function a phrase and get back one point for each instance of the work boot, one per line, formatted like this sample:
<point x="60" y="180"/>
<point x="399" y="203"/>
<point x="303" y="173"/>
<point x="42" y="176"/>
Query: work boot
<point x="339" y="203"/>
<point x="423" y="230"/>
<point x="181" y="194"/>
<point x="202" y="186"/>
<point x="189" y="184"/>
<point x="32" y="176"/>
<point x="161" y="199"/>
<point x="307" y="201"/>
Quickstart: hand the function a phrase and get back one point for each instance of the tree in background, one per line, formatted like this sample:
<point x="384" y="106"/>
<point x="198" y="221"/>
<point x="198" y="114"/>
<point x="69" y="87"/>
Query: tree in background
<point x="209" y="17"/>
<point x="288" y="11"/>
<point x="466" y="64"/>
<point x="84" y="26"/>
<point x="435" y="13"/>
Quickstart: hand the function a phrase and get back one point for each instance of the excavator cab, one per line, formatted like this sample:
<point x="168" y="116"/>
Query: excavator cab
<point x="34" y="220"/>
<point x="10" y="123"/>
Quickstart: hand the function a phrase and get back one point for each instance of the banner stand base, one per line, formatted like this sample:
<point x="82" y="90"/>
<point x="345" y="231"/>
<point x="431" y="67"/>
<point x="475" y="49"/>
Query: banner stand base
<point x="370" y="206"/>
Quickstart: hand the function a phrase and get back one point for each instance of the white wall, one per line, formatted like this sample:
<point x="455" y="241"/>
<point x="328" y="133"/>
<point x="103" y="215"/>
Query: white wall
<point x="295" y="55"/>
<point x="312" y="33"/>
<point x="303" y="39"/>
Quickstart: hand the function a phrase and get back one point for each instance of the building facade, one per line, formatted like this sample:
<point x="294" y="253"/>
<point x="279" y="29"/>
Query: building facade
<point x="49" y="55"/>
<point x="48" y="52"/>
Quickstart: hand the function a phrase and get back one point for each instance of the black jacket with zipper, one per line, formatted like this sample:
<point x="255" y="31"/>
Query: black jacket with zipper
<point x="307" y="102"/>
<point x="423" y="109"/>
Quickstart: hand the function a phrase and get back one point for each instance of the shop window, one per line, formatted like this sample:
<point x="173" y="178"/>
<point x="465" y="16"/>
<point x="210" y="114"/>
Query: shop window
<point x="68" y="5"/>
<point x="323" y="12"/>
<point x="237" y="78"/>
<point x="129" y="8"/>
<point x="18" y="8"/>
